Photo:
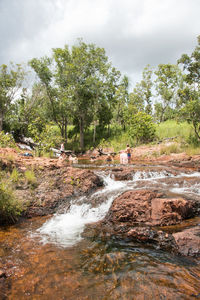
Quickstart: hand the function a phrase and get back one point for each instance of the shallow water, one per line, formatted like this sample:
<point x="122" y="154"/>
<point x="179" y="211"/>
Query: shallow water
<point x="62" y="258"/>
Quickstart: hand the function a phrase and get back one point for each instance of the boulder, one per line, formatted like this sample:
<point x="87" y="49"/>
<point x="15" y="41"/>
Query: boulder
<point x="150" y="208"/>
<point x="188" y="241"/>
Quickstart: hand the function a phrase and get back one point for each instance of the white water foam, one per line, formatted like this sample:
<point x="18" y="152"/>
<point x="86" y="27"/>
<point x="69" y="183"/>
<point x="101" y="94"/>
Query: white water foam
<point x="65" y="229"/>
<point x="194" y="189"/>
<point x="142" y="175"/>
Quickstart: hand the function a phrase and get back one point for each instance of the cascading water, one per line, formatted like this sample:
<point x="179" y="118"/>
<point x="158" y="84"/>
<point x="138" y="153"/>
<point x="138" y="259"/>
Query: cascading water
<point x="68" y="265"/>
<point x="65" y="229"/>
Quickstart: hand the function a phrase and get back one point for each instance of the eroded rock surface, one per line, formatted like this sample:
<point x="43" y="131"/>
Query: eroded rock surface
<point x="188" y="241"/>
<point x="57" y="187"/>
<point x="134" y="215"/>
<point x="150" y="208"/>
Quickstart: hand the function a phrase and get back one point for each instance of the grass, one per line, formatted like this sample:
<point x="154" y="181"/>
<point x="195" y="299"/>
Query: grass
<point x="30" y="177"/>
<point x="173" y="148"/>
<point x="15" y="176"/>
<point x="10" y="207"/>
<point x="171" y="129"/>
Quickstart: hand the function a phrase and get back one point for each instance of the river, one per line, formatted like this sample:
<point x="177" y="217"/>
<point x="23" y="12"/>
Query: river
<point x="61" y="257"/>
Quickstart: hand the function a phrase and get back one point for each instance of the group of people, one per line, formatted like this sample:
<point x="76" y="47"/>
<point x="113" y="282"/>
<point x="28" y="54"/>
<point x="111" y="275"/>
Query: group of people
<point x="125" y="155"/>
<point x="72" y="158"/>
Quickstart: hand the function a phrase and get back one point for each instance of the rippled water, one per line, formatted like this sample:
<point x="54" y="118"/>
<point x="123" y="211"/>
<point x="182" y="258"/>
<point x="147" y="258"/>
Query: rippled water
<point x="63" y="258"/>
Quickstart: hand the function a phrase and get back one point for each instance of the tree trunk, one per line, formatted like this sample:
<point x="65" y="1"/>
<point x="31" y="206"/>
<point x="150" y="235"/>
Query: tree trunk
<point x="65" y="131"/>
<point x="81" y="124"/>
<point x="94" y="133"/>
<point x="1" y="120"/>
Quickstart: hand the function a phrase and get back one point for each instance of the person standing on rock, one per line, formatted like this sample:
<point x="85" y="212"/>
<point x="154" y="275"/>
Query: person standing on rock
<point x="128" y="151"/>
<point x="62" y="148"/>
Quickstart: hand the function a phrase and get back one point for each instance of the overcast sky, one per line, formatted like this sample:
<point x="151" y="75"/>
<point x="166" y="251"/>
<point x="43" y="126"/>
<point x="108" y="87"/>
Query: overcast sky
<point x="134" y="33"/>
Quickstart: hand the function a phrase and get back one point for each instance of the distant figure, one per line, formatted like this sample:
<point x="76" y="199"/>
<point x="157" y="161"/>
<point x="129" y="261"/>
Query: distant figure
<point x="93" y="158"/>
<point x="62" y="156"/>
<point x="73" y="159"/>
<point x="62" y="147"/>
<point x="123" y="157"/>
<point x="109" y="158"/>
<point x="128" y="151"/>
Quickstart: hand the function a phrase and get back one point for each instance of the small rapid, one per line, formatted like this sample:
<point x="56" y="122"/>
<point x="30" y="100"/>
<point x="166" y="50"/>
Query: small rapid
<point x="65" y="229"/>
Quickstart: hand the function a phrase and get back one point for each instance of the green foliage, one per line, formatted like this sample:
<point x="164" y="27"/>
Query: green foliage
<point x="30" y="177"/>
<point x="6" y="140"/>
<point x="192" y="65"/>
<point x="15" y="176"/>
<point x="11" y="78"/>
<point x="191" y="113"/>
<point x="193" y="141"/>
<point x="168" y="80"/>
<point x="10" y="207"/>
<point x="141" y="127"/>
<point x="171" y="129"/>
<point x="173" y="148"/>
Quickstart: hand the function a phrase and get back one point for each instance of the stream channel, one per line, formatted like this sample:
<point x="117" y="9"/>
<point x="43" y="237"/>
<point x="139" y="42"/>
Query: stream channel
<point x="60" y="257"/>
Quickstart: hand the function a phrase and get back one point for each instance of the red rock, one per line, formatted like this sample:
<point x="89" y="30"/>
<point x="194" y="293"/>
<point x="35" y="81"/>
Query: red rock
<point x="188" y="241"/>
<point x="150" y="208"/>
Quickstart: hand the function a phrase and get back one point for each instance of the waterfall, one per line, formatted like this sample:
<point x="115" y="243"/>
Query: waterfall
<point x="65" y="229"/>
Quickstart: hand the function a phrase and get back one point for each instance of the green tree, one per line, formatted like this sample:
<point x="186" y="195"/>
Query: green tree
<point x="146" y="85"/>
<point x="141" y="127"/>
<point x="11" y="79"/>
<point x="189" y="94"/>
<point x="47" y="72"/>
<point x="191" y="64"/>
<point x="79" y="81"/>
<point x="169" y="78"/>
<point x="121" y="101"/>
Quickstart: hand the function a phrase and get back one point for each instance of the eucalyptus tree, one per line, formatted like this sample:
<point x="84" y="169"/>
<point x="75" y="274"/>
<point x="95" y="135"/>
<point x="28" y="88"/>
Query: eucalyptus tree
<point x="190" y="92"/>
<point x="191" y="64"/>
<point x="136" y="100"/>
<point x="79" y="82"/>
<point x="169" y="78"/>
<point x="46" y="71"/>
<point x="90" y="79"/>
<point x="121" y="101"/>
<point x="11" y="80"/>
<point x="146" y="86"/>
<point x="27" y="107"/>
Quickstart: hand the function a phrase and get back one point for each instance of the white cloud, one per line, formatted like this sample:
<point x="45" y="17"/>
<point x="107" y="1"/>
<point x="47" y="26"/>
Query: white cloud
<point x="134" y="33"/>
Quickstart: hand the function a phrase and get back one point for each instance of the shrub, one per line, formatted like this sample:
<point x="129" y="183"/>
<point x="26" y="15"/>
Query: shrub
<point x="10" y="207"/>
<point x="30" y="177"/>
<point x="141" y="127"/>
<point x="15" y="176"/>
<point x="6" y="140"/>
<point x="173" y="148"/>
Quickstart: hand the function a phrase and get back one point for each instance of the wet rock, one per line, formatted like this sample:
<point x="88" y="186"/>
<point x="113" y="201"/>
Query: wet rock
<point x="148" y="235"/>
<point x="150" y="208"/>
<point x="122" y="173"/>
<point x="188" y="241"/>
<point x="134" y="215"/>
<point x="57" y="187"/>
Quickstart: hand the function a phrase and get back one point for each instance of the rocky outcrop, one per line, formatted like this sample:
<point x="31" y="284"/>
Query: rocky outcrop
<point x="134" y="214"/>
<point x="122" y="173"/>
<point x="57" y="187"/>
<point x="150" y="208"/>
